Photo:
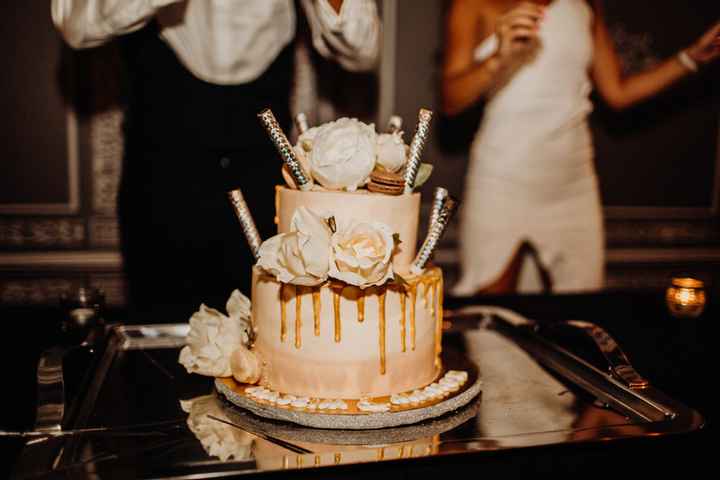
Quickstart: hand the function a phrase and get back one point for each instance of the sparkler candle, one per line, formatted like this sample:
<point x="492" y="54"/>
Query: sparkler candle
<point x="394" y="124"/>
<point x="440" y="195"/>
<point x="284" y="149"/>
<point x="416" y="148"/>
<point x="301" y="123"/>
<point x="433" y="237"/>
<point x="246" y="221"/>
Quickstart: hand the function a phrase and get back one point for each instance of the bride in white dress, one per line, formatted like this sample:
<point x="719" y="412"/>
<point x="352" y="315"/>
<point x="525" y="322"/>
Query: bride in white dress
<point x="531" y="196"/>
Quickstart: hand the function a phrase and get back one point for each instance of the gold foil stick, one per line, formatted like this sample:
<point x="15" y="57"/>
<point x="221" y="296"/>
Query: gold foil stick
<point x="416" y="148"/>
<point x="440" y="195"/>
<point x="278" y="138"/>
<point x="434" y="234"/>
<point x="246" y="221"/>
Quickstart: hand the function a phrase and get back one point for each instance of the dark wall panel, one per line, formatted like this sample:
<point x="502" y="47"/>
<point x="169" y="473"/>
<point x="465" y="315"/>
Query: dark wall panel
<point x="33" y="134"/>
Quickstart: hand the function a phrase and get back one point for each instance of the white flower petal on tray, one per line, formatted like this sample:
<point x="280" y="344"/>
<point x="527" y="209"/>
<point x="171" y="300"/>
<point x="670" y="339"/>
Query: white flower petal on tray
<point x="301" y="256"/>
<point x="239" y="309"/>
<point x="362" y="253"/>
<point x="343" y="153"/>
<point x="245" y="365"/>
<point x="391" y="151"/>
<point x="218" y="439"/>
<point x="213" y="337"/>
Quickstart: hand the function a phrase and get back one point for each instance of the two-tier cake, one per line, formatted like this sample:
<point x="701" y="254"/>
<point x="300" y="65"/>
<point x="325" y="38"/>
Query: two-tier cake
<point x="346" y="314"/>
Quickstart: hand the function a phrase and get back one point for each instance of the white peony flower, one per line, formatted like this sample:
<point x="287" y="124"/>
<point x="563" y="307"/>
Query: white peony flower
<point x="302" y="256"/>
<point x="218" y="439"/>
<point x="362" y="254"/>
<point x="391" y="151"/>
<point x="213" y="337"/>
<point x="245" y="366"/>
<point x="342" y="154"/>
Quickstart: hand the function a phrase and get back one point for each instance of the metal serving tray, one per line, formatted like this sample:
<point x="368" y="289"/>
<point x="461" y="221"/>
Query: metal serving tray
<point x="135" y="418"/>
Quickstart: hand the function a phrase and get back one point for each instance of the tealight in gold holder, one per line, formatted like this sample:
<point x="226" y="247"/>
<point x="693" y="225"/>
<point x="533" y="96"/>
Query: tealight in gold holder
<point x="685" y="297"/>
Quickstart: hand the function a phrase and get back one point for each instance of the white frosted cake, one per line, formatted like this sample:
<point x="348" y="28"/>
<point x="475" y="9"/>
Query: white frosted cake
<point x="337" y="340"/>
<point x="346" y="315"/>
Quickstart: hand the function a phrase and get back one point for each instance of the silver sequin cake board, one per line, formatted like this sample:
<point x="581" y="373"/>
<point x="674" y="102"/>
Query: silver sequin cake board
<point x="404" y="433"/>
<point x="365" y="420"/>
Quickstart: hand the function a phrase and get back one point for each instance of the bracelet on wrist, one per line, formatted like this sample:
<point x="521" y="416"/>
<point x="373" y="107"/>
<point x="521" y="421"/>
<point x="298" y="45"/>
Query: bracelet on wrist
<point x="687" y="61"/>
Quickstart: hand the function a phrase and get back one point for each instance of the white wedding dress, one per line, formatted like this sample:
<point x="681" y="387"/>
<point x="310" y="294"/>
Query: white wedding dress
<point x="531" y="175"/>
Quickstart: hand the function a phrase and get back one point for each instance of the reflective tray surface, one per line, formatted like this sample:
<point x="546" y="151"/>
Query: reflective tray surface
<point x="143" y="416"/>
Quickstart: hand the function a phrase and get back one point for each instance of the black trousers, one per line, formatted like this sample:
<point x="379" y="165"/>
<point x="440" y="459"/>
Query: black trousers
<point x="188" y="142"/>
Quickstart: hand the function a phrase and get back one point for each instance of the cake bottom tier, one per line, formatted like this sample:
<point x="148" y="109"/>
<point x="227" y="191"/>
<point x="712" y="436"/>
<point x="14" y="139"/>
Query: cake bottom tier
<point x="338" y="341"/>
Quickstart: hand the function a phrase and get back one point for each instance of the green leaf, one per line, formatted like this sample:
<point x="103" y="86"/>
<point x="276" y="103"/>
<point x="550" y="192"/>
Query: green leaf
<point x="423" y="174"/>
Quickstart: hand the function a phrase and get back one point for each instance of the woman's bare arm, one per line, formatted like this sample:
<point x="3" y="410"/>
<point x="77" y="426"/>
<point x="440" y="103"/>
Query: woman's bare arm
<point x="621" y="91"/>
<point x="464" y="81"/>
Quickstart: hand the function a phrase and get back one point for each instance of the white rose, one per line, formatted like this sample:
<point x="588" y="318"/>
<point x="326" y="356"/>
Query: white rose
<point x="362" y="254"/>
<point x="213" y="337"/>
<point x="217" y="438"/>
<point x="391" y="153"/>
<point x="245" y="366"/>
<point x="342" y="154"/>
<point x="302" y="256"/>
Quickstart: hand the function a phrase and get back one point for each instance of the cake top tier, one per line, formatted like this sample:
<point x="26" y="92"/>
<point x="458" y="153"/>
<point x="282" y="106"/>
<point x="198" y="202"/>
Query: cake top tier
<point x="349" y="212"/>
<point x="400" y="213"/>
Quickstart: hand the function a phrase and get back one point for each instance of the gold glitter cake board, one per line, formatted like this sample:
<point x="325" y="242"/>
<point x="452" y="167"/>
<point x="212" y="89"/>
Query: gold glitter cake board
<point x="353" y="418"/>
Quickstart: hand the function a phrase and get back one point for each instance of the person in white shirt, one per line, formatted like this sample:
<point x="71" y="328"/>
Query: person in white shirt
<point x="199" y="71"/>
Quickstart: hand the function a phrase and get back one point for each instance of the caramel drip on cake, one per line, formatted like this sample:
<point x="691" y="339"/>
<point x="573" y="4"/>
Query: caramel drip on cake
<point x="433" y="296"/>
<point x="336" y="311"/>
<point x="413" y="299"/>
<point x="298" y="316"/>
<point x="403" y="301"/>
<point x="381" y="453"/>
<point x="338" y="458"/>
<point x="317" y="460"/>
<point x="381" y="322"/>
<point x="283" y="312"/>
<point x="426" y="292"/>
<point x="437" y="300"/>
<point x="316" y="310"/>
<point x="361" y="306"/>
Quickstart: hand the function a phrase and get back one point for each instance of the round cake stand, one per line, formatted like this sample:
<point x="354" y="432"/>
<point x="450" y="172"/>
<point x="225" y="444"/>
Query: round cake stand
<point x="405" y="415"/>
<point x="407" y="433"/>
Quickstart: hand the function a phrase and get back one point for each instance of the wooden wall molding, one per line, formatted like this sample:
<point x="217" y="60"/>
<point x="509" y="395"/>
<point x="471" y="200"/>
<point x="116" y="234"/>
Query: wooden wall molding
<point x="83" y="261"/>
<point x="106" y="147"/>
<point x="662" y="232"/>
<point x="46" y="289"/>
<point x="42" y="233"/>
<point x="104" y="232"/>
<point x="38" y="278"/>
<point x="72" y="157"/>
